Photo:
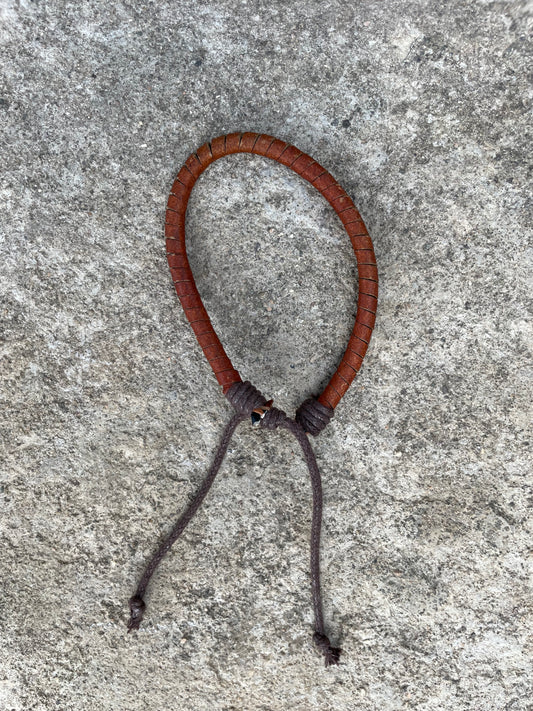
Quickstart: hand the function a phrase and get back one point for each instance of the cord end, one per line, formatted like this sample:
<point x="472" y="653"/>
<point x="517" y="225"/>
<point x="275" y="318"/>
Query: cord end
<point x="331" y="654"/>
<point x="137" y="608"/>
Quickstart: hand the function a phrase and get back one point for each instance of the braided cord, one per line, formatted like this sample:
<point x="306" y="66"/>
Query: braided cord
<point x="246" y="399"/>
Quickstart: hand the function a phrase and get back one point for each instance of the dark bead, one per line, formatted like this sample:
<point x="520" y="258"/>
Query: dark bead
<point x="256" y="418"/>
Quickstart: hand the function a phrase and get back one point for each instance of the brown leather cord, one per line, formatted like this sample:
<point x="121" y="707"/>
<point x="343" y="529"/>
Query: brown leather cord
<point x="313" y="414"/>
<point x="325" y="183"/>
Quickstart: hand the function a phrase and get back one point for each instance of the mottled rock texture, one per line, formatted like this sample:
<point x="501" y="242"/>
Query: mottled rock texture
<point x="110" y="415"/>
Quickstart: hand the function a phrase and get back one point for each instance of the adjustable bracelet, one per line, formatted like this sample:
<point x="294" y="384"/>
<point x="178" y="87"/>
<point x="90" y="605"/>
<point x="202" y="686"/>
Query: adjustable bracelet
<point x="314" y="413"/>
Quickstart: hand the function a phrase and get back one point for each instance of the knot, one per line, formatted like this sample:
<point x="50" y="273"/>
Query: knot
<point x="245" y="397"/>
<point x="331" y="654"/>
<point x="137" y="607"/>
<point x="273" y="418"/>
<point x="313" y="416"/>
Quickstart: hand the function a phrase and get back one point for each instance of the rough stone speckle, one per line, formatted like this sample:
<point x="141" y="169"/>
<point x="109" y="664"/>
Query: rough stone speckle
<point x="110" y="415"/>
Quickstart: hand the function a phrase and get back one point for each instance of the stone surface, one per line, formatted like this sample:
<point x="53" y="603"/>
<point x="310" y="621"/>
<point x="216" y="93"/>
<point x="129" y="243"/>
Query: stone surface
<point x="110" y="415"/>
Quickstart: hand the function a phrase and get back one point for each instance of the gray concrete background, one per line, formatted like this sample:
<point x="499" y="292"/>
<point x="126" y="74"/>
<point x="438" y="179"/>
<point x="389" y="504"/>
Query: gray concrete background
<point x="110" y="415"/>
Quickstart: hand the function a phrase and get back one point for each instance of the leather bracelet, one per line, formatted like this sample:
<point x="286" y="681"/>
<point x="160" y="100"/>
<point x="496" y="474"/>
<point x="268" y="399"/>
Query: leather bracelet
<point x="313" y="414"/>
<point x="326" y="184"/>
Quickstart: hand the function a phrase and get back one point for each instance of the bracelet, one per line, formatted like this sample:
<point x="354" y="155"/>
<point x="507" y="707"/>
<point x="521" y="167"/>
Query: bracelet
<point x="314" y="413"/>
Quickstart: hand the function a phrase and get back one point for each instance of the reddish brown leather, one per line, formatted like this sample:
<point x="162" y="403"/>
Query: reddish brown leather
<point x="308" y="168"/>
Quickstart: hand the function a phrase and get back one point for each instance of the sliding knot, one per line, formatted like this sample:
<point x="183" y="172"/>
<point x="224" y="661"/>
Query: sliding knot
<point x="331" y="654"/>
<point x="313" y="416"/>
<point x="245" y="398"/>
<point x="137" y="607"/>
<point x="273" y="418"/>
